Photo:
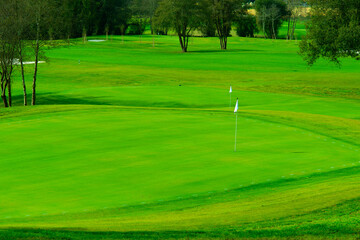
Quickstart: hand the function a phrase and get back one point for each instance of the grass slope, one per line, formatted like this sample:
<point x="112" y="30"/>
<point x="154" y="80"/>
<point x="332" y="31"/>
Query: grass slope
<point x="137" y="142"/>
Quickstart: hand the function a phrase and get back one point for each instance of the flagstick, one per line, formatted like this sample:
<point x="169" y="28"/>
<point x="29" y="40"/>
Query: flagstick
<point x="236" y="130"/>
<point x="230" y="95"/>
<point x="230" y="100"/>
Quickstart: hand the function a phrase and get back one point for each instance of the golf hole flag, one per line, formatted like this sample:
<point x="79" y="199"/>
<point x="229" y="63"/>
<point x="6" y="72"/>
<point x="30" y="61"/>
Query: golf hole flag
<point x="236" y="106"/>
<point x="230" y="91"/>
<point x="235" y="111"/>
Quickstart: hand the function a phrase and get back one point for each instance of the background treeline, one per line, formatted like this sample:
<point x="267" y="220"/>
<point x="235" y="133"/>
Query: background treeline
<point x="207" y="18"/>
<point x="98" y="17"/>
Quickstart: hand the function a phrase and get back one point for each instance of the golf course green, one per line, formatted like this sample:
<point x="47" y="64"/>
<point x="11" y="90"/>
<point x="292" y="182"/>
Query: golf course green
<point x="131" y="141"/>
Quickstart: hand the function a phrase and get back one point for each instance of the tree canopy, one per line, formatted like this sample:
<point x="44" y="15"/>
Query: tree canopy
<point x="181" y="16"/>
<point x="333" y="31"/>
<point x="224" y="12"/>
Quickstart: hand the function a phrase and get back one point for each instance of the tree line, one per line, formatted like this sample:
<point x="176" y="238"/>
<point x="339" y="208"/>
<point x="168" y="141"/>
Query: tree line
<point x="97" y="17"/>
<point x="209" y="17"/>
<point x="26" y="27"/>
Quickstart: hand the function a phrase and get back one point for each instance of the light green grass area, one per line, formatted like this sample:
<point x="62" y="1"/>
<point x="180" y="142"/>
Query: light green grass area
<point x="137" y="142"/>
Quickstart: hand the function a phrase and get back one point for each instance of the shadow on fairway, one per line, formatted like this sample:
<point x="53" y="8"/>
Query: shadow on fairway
<point x="58" y="99"/>
<point x="225" y="51"/>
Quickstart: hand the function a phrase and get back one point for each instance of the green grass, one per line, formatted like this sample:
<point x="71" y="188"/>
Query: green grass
<point x="137" y="142"/>
<point x="300" y="29"/>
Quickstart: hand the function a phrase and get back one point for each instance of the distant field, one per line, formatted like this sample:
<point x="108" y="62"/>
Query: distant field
<point x="136" y="142"/>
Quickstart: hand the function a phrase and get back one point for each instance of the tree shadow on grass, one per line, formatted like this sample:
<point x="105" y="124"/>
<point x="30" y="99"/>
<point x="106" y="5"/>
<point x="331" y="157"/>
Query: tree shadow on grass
<point x="59" y="99"/>
<point x="224" y="51"/>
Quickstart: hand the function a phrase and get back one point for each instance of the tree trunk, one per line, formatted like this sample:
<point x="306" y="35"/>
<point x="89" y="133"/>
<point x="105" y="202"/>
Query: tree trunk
<point x="37" y="49"/>
<point x="3" y="93"/>
<point x="288" y="37"/>
<point x="293" y="29"/>
<point x="3" y="96"/>
<point x="33" y="100"/>
<point x="273" y="29"/>
<point x="223" y="42"/>
<point x="264" y="28"/>
<point x="9" y="92"/>
<point x="182" y="43"/>
<point x="84" y="35"/>
<point x="151" y="26"/>
<point x="23" y="74"/>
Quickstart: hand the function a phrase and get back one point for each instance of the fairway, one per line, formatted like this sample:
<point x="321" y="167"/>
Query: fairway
<point x="135" y="141"/>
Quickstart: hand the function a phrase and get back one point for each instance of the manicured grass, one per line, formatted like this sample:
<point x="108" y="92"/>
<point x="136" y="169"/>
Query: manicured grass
<point x="137" y="142"/>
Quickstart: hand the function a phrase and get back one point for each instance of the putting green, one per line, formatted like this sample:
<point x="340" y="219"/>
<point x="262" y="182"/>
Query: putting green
<point x="115" y="156"/>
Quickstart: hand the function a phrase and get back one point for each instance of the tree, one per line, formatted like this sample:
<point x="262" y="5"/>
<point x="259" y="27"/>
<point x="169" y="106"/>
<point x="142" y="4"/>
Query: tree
<point x="149" y="11"/>
<point x="8" y="48"/>
<point x="333" y="31"/>
<point x="207" y="23"/>
<point x="140" y="16"/>
<point x="294" y="9"/>
<point x="270" y="16"/>
<point x="262" y="15"/>
<point x="44" y="18"/>
<point x="181" y="16"/>
<point x="246" y="26"/>
<point x="25" y="25"/>
<point x="22" y="14"/>
<point x="114" y="16"/>
<point x="224" y="13"/>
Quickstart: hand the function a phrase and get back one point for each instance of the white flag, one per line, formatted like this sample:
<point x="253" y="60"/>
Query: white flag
<point x="236" y="106"/>
<point x="230" y="89"/>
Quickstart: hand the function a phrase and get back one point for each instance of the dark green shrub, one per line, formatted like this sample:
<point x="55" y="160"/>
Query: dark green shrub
<point x="246" y="26"/>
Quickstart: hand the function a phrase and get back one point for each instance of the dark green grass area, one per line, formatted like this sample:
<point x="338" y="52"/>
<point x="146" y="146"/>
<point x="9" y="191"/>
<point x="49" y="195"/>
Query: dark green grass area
<point x="136" y="142"/>
<point x="314" y="225"/>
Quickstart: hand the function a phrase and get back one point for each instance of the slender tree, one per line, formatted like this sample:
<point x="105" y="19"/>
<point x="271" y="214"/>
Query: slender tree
<point x="181" y="16"/>
<point x="8" y="48"/>
<point x="22" y="11"/>
<point x="224" y="13"/>
<point x="44" y="18"/>
<point x="294" y="8"/>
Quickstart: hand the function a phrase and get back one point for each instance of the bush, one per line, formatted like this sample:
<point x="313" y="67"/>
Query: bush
<point x="208" y="30"/>
<point x="137" y="26"/>
<point x="246" y="26"/>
